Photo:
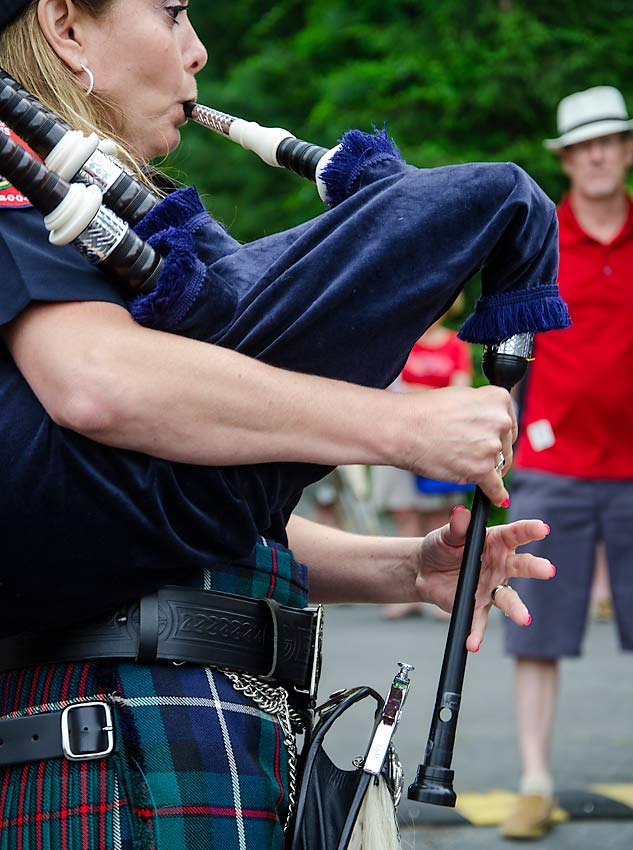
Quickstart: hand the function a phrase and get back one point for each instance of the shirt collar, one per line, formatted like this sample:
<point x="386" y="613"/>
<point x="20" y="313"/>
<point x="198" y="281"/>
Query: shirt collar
<point x="572" y="231"/>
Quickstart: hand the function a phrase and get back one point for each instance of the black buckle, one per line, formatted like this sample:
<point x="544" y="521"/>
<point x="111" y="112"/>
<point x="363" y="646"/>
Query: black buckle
<point x="73" y="732"/>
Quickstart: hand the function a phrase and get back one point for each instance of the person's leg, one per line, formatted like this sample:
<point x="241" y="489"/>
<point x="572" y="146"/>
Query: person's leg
<point x="558" y="608"/>
<point x="435" y="518"/>
<point x="536" y="689"/>
<point x="408" y="522"/>
<point x="601" y="605"/>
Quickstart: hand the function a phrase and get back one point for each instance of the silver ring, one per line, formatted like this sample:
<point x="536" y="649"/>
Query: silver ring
<point x="496" y="590"/>
<point x="500" y="463"/>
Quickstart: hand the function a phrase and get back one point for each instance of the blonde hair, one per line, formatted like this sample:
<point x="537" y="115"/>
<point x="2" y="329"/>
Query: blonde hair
<point x="28" y="57"/>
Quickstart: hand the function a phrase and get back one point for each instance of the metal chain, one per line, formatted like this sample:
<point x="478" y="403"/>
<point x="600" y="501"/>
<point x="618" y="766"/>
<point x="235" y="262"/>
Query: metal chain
<point x="274" y="700"/>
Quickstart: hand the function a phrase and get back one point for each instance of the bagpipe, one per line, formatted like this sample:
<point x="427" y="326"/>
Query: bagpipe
<point x="345" y="296"/>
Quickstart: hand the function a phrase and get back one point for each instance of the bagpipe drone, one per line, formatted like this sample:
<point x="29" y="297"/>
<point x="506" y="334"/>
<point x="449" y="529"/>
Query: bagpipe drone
<point x="345" y="295"/>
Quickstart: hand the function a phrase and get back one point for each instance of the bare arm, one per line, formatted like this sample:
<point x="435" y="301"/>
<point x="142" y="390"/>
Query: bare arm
<point x="348" y="567"/>
<point x="97" y="372"/>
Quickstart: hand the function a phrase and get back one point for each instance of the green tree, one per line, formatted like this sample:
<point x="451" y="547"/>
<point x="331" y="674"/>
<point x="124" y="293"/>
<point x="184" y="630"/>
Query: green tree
<point x="453" y="82"/>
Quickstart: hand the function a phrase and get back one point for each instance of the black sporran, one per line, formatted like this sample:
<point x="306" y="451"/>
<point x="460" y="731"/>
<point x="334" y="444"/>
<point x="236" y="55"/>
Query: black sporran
<point x="345" y="809"/>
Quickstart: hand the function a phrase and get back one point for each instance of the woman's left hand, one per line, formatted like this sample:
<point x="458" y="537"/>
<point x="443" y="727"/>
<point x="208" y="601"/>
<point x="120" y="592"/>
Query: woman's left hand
<point x="440" y="560"/>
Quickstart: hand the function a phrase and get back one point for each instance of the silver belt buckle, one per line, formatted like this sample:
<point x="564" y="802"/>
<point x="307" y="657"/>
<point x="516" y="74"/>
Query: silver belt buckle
<point x="107" y="727"/>
<point x="317" y="647"/>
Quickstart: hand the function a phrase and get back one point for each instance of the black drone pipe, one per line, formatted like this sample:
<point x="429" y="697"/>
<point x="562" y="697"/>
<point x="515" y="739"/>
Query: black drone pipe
<point x="75" y="213"/>
<point x="504" y="365"/>
<point x="71" y="154"/>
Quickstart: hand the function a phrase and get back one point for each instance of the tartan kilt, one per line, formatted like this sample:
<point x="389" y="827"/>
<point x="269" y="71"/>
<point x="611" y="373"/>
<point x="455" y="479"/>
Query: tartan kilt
<point x="198" y="765"/>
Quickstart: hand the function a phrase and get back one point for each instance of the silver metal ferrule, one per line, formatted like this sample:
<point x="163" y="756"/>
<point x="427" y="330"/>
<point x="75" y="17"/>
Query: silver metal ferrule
<point x="213" y="119"/>
<point x="100" y="170"/>
<point x="520" y="345"/>
<point x="405" y="669"/>
<point x="102" y="236"/>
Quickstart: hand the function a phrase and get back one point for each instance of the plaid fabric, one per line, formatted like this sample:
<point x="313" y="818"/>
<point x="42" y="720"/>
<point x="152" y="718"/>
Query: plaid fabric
<point x="58" y="803"/>
<point x="270" y="571"/>
<point x="199" y="765"/>
<point x="212" y="767"/>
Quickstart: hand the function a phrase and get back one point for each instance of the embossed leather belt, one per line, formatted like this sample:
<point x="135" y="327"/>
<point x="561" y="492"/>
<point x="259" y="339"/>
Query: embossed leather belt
<point x="256" y="636"/>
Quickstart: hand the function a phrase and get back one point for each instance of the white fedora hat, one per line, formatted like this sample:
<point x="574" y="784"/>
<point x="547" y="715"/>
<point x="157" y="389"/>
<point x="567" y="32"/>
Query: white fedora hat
<point x="589" y="114"/>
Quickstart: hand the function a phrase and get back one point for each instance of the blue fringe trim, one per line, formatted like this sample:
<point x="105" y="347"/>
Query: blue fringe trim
<point x="179" y="283"/>
<point x="172" y="211"/>
<point x="500" y="316"/>
<point x="357" y="151"/>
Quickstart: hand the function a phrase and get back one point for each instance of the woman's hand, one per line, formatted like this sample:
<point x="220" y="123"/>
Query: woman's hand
<point x="456" y="434"/>
<point x="440" y="560"/>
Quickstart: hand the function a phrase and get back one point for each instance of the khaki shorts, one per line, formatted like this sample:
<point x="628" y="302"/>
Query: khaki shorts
<point x="396" y="490"/>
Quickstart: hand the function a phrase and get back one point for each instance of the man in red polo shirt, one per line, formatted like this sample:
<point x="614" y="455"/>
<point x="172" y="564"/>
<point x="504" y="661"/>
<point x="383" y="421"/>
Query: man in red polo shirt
<point x="574" y="459"/>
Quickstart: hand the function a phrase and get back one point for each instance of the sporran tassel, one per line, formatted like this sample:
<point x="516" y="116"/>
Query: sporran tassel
<point x="376" y="827"/>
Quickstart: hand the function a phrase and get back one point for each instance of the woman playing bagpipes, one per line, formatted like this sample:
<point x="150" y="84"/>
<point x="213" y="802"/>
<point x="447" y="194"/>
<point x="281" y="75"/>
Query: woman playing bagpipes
<point x="154" y="447"/>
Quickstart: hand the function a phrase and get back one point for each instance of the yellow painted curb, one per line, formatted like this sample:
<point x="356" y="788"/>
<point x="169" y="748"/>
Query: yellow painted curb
<point x="493" y="807"/>
<point x="620" y="792"/>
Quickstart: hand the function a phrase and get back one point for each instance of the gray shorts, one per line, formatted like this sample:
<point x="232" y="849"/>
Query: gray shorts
<point x="581" y="513"/>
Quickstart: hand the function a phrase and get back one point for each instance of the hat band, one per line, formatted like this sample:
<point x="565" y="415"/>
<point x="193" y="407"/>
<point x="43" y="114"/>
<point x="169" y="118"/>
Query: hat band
<point x="593" y="121"/>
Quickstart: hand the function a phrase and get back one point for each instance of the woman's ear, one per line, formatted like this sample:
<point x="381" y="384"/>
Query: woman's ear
<point x="59" y="22"/>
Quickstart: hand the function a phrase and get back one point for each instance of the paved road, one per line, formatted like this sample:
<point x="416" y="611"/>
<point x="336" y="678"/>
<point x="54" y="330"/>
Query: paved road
<point x="593" y="738"/>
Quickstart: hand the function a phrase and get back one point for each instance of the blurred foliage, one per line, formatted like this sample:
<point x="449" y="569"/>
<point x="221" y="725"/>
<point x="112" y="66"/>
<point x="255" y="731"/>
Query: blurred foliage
<point x="453" y="81"/>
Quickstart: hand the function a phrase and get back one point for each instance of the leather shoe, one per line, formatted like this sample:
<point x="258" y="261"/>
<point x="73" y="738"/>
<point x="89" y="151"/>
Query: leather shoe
<point x="530" y="818"/>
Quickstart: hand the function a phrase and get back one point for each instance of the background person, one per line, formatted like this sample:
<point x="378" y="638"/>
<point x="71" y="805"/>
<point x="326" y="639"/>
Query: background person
<point x="574" y="460"/>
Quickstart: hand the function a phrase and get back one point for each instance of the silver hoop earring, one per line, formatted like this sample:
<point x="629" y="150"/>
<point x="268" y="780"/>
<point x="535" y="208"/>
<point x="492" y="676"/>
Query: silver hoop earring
<point x="91" y="80"/>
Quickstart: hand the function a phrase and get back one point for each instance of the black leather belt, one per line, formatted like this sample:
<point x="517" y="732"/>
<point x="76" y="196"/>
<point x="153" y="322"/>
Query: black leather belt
<point x="256" y="636"/>
<point x="80" y="732"/>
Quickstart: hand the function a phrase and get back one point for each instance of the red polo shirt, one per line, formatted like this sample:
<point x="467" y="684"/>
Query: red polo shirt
<point x="435" y="365"/>
<point x="577" y="416"/>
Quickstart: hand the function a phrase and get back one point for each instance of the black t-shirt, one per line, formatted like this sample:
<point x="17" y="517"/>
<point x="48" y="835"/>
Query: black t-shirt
<point x="86" y="526"/>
